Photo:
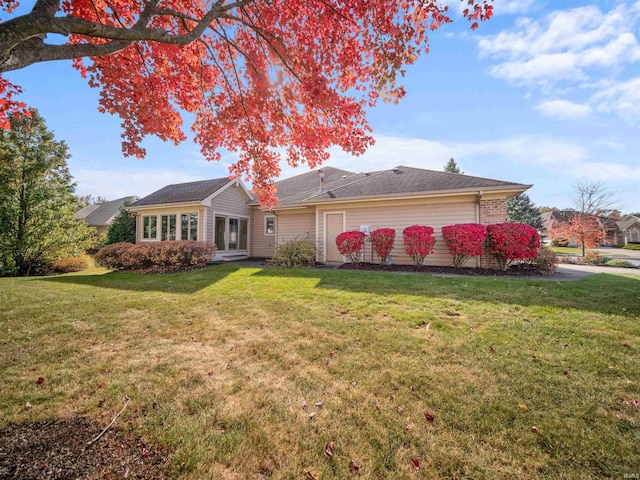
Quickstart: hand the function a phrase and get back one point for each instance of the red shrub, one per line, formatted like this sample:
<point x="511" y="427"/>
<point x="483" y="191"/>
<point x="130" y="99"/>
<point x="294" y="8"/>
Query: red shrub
<point x="418" y="242"/>
<point x="351" y="244"/>
<point x="382" y="241"/>
<point x="111" y="255"/>
<point x="71" y="264"/>
<point x="126" y="256"/>
<point x="464" y="241"/>
<point x="512" y="241"/>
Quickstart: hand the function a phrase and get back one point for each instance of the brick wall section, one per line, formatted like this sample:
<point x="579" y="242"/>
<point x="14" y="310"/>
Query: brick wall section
<point x="492" y="211"/>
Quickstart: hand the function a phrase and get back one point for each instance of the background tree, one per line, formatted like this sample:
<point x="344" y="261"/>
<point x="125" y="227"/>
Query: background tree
<point x="85" y="200"/>
<point x="452" y="167"/>
<point x="521" y="209"/>
<point x="123" y="227"/>
<point x="592" y="198"/>
<point x="584" y="229"/>
<point x="37" y="205"/>
<point x="259" y="77"/>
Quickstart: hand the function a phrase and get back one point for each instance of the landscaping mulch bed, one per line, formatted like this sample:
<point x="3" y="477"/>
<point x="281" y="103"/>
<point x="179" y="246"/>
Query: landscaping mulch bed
<point x="512" y="271"/>
<point x="58" y="450"/>
<point x="164" y="269"/>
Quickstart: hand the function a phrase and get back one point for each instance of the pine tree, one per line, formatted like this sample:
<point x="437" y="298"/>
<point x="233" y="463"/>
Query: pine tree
<point x="123" y="227"/>
<point x="37" y="203"/>
<point x="452" y="167"/>
<point x="521" y="209"/>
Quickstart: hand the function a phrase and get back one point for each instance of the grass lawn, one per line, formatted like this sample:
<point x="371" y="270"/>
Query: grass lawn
<point x="524" y="379"/>
<point x="568" y="250"/>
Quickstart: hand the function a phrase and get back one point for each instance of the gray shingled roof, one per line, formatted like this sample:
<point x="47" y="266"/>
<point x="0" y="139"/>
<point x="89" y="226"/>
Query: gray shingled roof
<point x="103" y="213"/>
<point x="184" y="192"/>
<point x="626" y="222"/>
<point x="396" y="181"/>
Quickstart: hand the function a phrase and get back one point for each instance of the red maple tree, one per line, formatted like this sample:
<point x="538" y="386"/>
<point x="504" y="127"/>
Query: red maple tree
<point x="262" y="78"/>
<point x="584" y="229"/>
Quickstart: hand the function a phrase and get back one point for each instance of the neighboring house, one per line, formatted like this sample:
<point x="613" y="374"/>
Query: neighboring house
<point x="101" y="216"/>
<point x="617" y="232"/>
<point x="320" y="205"/>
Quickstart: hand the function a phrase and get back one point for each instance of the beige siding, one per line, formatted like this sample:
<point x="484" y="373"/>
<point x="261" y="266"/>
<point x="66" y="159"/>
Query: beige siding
<point x="294" y="225"/>
<point x="261" y="245"/>
<point x="231" y="202"/>
<point x="401" y="214"/>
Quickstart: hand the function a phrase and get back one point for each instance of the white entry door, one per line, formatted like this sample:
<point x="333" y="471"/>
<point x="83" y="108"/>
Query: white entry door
<point x="334" y="225"/>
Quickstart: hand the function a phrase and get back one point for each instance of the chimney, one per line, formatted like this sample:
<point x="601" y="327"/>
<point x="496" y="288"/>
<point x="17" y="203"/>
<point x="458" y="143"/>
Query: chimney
<point x="321" y="175"/>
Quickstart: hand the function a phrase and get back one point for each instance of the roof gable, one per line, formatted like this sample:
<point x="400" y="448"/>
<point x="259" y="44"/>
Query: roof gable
<point x="184" y="192"/>
<point x="102" y="213"/>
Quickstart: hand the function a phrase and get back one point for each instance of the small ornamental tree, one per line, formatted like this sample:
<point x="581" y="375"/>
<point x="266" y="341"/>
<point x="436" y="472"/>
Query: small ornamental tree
<point x="382" y="241"/>
<point x="351" y="244"/>
<point x="585" y="229"/>
<point x="464" y="241"/>
<point x="512" y="241"/>
<point x="418" y="242"/>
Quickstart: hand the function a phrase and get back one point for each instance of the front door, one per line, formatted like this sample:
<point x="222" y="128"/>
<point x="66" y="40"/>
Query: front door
<point x="334" y="227"/>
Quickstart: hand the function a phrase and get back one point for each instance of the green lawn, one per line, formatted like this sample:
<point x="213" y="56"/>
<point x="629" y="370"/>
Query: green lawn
<point x="568" y="250"/>
<point x="218" y="363"/>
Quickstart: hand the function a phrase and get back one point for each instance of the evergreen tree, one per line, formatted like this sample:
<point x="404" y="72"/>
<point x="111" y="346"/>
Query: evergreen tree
<point x="521" y="209"/>
<point x="452" y="167"/>
<point x="37" y="203"/>
<point x="123" y="227"/>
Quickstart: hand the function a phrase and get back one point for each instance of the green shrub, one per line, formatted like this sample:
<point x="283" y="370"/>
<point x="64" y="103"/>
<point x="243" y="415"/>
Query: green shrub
<point x="632" y="246"/>
<point x="71" y="264"/>
<point x="594" y="258"/>
<point x="127" y="256"/>
<point x="559" y="242"/>
<point x="294" y="254"/>
<point x="619" y="263"/>
<point x="545" y="262"/>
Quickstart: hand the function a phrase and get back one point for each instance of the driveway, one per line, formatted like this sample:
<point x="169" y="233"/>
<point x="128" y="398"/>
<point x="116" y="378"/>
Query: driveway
<point x="631" y="256"/>
<point x="568" y="272"/>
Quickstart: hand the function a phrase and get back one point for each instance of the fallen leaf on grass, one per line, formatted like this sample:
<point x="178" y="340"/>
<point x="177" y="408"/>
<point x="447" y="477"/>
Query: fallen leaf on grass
<point x="522" y="406"/>
<point x="27" y="405"/>
<point x="319" y="405"/>
<point x="40" y="380"/>
<point x="312" y="415"/>
<point x="565" y="372"/>
<point x="416" y="463"/>
<point x="100" y="384"/>
<point x="400" y="409"/>
<point x="328" y="449"/>
<point x="536" y="430"/>
<point x="354" y="467"/>
<point x="626" y="345"/>
<point x="631" y="402"/>
<point x="311" y="474"/>
<point x="430" y="418"/>
<point x="304" y="404"/>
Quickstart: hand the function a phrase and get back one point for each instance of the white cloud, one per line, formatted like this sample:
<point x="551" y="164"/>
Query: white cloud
<point x="499" y="6"/>
<point x="563" y="109"/>
<point x="565" y="45"/>
<point x="113" y="184"/>
<point x="622" y="98"/>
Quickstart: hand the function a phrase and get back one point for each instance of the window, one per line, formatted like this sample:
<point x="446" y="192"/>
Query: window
<point x="168" y="223"/>
<point x="149" y="226"/>
<point x="220" y="231"/>
<point x="233" y="233"/>
<point x="189" y="224"/>
<point x="270" y="225"/>
<point x="244" y="234"/>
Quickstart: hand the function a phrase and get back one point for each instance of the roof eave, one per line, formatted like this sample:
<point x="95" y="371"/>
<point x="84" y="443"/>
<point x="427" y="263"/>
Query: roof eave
<point x="134" y="208"/>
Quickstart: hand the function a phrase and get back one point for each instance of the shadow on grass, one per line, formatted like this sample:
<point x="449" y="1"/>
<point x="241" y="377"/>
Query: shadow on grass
<point x="179" y="282"/>
<point x="604" y="293"/>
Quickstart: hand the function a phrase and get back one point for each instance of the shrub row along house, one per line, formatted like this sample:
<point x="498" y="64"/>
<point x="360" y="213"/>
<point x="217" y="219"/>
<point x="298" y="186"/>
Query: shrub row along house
<point x="320" y="205"/>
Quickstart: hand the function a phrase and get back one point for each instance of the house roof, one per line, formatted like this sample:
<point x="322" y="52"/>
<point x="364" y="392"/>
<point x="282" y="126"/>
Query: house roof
<point x="184" y="192"/>
<point x="341" y="184"/>
<point x="103" y="213"/>
<point x="626" y="222"/>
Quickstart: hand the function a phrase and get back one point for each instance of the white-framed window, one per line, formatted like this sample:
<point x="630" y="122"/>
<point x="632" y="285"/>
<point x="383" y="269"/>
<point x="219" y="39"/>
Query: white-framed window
<point x="168" y="223"/>
<point x="150" y="227"/>
<point x="270" y="225"/>
<point x="231" y="233"/>
<point x="189" y="226"/>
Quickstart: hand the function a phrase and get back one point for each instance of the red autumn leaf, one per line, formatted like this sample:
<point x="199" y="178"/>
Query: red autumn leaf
<point x="626" y="345"/>
<point x="354" y="467"/>
<point x="430" y="418"/>
<point x="40" y="380"/>
<point x="416" y="463"/>
<point x="100" y="384"/>
<point x="565" y="372"/>
<point x="328" y="449"/>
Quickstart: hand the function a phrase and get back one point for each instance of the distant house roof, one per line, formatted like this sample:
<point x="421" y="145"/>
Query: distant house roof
<point x="103" y="213"/>
<point x="341" y="184"/>
<point x="626" y="222"/>
<point x="184" y="192"/>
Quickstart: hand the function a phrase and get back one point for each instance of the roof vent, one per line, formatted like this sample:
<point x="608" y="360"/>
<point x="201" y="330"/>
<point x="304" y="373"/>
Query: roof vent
<point x="397" y="170"/>
<point x="345" y="176"/>
<point x="321" y="175"/>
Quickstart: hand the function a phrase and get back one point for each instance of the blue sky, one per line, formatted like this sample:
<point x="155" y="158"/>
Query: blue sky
<point x="545" y="93"/>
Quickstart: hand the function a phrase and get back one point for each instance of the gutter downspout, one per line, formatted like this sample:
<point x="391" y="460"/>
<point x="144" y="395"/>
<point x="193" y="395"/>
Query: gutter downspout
<point x="479" y="197"/>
